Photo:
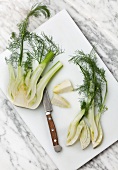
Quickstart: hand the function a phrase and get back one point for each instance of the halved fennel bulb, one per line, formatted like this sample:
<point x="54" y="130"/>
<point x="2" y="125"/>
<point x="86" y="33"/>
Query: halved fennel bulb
<point x="26" y="91"/>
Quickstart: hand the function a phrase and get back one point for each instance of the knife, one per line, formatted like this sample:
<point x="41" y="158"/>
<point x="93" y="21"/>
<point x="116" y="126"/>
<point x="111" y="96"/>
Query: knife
<point x="48" y="110"/>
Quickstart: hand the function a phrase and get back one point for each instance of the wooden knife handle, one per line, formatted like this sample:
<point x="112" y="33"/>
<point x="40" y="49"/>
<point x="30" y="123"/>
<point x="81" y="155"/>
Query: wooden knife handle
<point x="53" y="133"/>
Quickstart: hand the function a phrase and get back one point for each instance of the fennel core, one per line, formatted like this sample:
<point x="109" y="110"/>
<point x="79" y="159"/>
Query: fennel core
<point x="25" y="87"/>
<point x="94" y="92"/>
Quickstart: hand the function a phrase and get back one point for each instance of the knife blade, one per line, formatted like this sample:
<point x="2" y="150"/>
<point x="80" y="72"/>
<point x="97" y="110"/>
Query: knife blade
<point x="48" y="110"/>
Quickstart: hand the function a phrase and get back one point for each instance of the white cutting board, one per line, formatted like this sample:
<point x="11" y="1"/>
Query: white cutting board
<point x="66" y="33"/>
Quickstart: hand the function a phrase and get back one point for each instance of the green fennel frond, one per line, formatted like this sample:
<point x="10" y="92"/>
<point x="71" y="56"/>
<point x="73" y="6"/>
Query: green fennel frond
<point x="41" y="45"/>
<point x="39" y="9"/>
<point x="94" y="79"/>
<point x="16" y="45"/>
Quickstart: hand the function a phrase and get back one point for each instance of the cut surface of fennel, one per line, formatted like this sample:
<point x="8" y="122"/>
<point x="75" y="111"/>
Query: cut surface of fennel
<point x="93" y="126"/>
<point x="65" y="86"/>
<point x="85" y="137"/>
<point x="73" y="126"/>
<point x="100" y="131"/>
<point x="60" y="101"/>
<point x="18" y="89"/>
<point x="79" y="128"/>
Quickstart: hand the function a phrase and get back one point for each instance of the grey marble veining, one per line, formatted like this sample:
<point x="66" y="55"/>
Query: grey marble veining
<point x="19" y="149"/>
<point x="98" y="21"/>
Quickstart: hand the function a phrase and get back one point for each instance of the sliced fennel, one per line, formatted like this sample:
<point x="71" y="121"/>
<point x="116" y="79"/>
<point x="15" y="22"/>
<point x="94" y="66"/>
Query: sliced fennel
<point x="73" y="126"/>
<point x="85" y="137"/>
<point x="26" y="86"/>
<point x="94" y="92"/>
<point x="57" y="100"/>
<point x="63" y="87"/>
<point x="100" y="131"/>
<point x="71" y="141"/>
<point x="93" y="126"/>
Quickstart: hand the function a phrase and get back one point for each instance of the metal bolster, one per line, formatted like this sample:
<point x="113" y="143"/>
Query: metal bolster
<point x="47" y="113"/>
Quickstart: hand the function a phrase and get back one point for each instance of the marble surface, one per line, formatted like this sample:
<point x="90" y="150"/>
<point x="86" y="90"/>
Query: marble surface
<point x="19" y="149"/>
<point x="98" y="20"/>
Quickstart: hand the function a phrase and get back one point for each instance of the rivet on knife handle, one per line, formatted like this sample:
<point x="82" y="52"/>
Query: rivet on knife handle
<point x="53" y="133"/>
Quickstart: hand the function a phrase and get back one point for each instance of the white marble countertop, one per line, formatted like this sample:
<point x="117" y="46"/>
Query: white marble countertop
<point x="98" y="20"/>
